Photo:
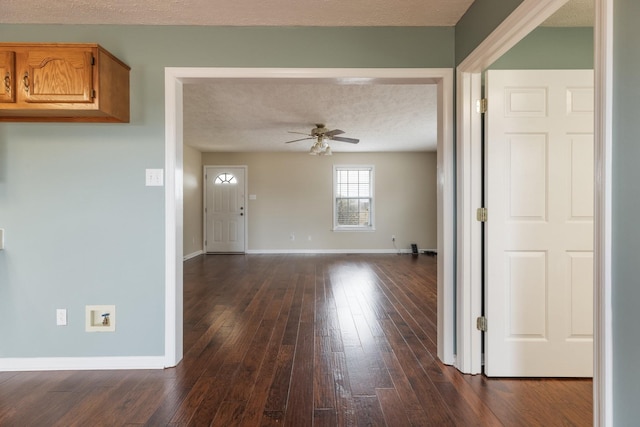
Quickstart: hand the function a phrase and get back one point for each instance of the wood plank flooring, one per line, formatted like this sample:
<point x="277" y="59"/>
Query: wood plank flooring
<point x="299" y="340"/>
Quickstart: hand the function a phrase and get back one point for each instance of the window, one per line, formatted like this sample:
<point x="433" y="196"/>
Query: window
<point x="353" y="198"/>
<point x="225" y="178"/>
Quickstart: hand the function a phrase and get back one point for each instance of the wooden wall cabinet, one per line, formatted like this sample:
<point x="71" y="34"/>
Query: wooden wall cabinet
<point x="62" y="83"/>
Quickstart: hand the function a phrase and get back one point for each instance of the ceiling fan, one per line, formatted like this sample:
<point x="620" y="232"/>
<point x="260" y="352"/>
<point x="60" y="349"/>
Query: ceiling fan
<point x="322" y="135"/>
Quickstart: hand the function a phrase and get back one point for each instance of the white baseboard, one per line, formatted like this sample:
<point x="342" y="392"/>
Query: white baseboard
<point x="192" y="255"/>
<point x="321" y="251"/>
<point x="81" y="363"/>
<point x="334" y="251"/>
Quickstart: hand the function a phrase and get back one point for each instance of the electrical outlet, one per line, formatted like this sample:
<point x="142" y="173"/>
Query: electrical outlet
<point x="292" y="236"/>
<point x="61" y="317"/>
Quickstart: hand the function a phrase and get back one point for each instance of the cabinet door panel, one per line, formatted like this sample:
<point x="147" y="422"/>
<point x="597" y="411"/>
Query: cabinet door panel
<point x="7" y="74"/>
<point x="62" y="75"/>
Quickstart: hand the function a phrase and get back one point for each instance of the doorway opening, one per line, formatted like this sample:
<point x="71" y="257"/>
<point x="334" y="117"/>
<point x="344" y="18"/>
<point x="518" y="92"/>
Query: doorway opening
<point x="524" y="19"/>
<point x="175" y="78"/>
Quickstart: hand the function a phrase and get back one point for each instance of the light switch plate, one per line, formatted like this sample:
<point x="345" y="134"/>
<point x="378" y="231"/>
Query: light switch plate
<point x="154" y="177"/>
<point x="61" y="317"/>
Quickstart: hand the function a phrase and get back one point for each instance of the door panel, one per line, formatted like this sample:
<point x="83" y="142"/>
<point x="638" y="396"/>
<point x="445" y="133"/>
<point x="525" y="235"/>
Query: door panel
<point x="64" y="76"/>
<point x="539" y="232"/>
<point x="8" y="76"/>
<point x="225" y="212"/>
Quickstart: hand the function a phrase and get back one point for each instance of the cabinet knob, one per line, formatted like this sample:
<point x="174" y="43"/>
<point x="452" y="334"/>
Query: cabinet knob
<point x="7" y="82"/>
<point x="25" y="79"/>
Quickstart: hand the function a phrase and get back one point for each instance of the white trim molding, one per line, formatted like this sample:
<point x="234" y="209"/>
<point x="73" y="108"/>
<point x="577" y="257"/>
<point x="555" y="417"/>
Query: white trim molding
<point x="469" y="243"/>
<point x="176" y="77"/>
<point x="339" y="251"/>
<point x="525" y="18"/>
<point x="192" y="255"/>
<point x="174" y="200"/>
<point x="603" y="323"/>
<point x="81" y="363"/>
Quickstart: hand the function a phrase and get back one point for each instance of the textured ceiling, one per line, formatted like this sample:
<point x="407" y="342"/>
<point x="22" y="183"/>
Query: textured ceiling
<point x="317" y="13"/>
<point x="259" y="116"/>
<point x="250" y="117"/>
<point x="575" y="13"/>
<point x="322" y="13"/>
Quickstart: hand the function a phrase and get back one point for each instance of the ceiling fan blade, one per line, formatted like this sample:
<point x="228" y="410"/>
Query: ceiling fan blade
<point x="301" y="133"/>
<point x="301" y="139"/>
<point x="333" y="132"/>
<point x="344" y="139"/>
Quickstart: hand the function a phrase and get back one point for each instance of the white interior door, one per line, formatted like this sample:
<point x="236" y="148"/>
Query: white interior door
<point x="539" y="232"/>
<point x="225" y="212"/>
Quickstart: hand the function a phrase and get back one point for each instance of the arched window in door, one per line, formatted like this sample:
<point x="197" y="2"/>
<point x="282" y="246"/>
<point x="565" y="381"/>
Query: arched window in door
<point x="225" y="178"/>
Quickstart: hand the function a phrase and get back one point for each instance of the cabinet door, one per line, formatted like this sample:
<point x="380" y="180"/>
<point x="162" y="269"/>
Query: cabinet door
<point x="58" y="75"/>
<point x="7" y="74"/>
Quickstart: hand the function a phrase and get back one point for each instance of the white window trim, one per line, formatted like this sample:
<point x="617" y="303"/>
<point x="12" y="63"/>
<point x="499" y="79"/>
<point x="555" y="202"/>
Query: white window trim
<point x="372" y="220"/>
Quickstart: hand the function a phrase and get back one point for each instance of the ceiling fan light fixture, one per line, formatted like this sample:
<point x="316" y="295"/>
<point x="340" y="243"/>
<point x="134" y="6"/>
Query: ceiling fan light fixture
<point x="322" y="137"/>
<point x="320" y="147"/>
<point x="316" y="148"/>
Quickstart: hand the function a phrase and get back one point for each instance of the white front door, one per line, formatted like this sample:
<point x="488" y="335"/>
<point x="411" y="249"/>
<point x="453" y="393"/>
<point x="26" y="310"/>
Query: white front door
<point x="225" y="212"/>
<point x="539" y="231"/>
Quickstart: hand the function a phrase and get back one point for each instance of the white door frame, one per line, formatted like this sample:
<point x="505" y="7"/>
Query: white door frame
<point x="523" y="20"/>
<point x="174" y="80"/>
<point x="245" y="219"/>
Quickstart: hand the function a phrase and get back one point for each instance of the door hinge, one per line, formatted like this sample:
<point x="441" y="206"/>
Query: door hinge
<point x="481" y="214"/>
<point x="482" y="105"/>
<point x="481" y="323"/>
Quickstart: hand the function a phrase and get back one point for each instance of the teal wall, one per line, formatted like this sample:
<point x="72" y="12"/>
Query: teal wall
<point x="550" y="48"/>
<point x="81" y="227"/>
<point x="626" y="211"/>
<point x="482" y="17"/>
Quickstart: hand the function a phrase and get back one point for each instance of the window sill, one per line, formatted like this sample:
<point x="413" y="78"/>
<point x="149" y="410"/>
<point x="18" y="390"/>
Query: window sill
<point x="354" y="229"/>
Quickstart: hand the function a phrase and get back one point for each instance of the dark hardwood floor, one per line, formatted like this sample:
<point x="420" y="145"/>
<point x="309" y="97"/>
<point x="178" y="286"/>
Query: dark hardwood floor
<point x="299" y="340"/>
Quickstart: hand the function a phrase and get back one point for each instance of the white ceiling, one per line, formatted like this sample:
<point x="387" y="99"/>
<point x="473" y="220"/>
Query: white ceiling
<point x="258" y="116"/>
<point x="575" y="13"/>
<point x="320" y="13"/>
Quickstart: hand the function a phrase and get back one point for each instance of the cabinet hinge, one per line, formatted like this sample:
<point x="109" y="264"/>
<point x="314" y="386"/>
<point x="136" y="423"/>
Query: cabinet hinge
<point x="481" y="324"/>
<point x="482" y="105"/>
<point x="93" y="60"/>
<point x="93" y="93"/>
<point x="481" y="214"/>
